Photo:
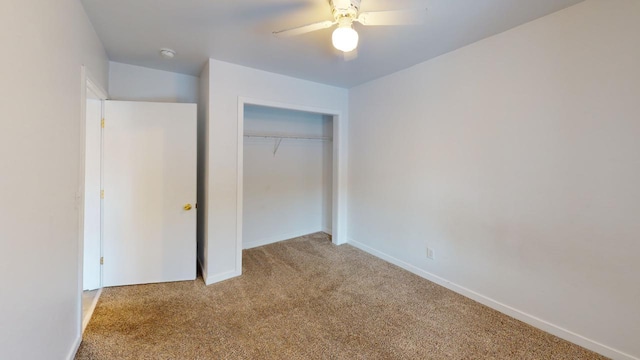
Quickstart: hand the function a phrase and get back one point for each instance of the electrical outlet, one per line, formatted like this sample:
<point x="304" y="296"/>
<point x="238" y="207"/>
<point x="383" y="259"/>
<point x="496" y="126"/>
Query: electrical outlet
<point x="430" y="254"/>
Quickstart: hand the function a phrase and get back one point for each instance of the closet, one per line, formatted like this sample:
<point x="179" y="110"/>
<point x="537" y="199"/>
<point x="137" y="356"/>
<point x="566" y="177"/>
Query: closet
<point x="287" y="174"/>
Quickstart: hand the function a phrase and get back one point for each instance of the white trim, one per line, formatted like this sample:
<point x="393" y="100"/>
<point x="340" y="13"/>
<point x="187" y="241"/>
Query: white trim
<point x="86" y="82"/>
<point x="240" y="184"/>
<point x="203" y="270"/>
<point x="97" y="89"/>
<point x="87" y="317"/>
<point x="277" y="238"/>
<point x="498" y="306"/>
<point x="287" y="106"/>
<point x="80" y="202"/>
<point x="221" y="277"/>
<point x="338" y="188"/>
<point x="74" y="348"/>
<point x="339" y="193"/>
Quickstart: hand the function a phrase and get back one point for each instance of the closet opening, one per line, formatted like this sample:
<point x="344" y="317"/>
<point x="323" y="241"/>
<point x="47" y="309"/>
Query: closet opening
<point x="288" y="174"/>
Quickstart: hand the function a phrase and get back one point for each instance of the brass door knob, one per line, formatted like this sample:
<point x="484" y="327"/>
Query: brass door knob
<point x="187" y="207"/>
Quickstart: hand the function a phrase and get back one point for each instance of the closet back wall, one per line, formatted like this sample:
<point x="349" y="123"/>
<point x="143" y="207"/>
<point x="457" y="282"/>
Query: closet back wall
<point x="287" y="194"/>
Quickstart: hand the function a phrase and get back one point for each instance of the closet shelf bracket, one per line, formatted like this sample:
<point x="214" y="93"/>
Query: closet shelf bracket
<point x="276" y="146"/>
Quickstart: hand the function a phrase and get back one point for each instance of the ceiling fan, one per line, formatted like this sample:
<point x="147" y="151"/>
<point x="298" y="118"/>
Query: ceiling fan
<point x="345" y="13"/>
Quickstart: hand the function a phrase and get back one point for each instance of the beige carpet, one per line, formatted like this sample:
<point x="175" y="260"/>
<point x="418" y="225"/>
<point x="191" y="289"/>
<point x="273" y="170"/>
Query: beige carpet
<point x="308" y="299"/>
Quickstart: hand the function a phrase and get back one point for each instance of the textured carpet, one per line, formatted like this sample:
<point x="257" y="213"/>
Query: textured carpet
<point x="308" y="299"/>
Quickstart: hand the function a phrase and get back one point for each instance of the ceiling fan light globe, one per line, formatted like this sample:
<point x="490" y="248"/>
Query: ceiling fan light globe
<point x="345" y="39"/>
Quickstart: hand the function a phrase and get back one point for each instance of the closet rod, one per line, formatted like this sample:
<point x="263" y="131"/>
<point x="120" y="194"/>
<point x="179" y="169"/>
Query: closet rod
<point x="271" y="136"/>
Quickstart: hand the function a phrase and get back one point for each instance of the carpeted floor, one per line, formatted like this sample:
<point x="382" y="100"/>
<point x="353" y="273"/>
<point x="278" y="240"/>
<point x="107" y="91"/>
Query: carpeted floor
<point x="308" y="299"/>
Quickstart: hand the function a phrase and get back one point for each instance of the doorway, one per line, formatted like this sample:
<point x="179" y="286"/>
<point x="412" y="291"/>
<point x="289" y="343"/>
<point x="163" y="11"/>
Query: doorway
<point x="137" y="194"/>
<point x="90" y="202"/>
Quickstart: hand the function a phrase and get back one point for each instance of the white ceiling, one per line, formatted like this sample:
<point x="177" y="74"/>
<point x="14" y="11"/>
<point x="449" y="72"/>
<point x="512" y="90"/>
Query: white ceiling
<point x="239" y="31"/>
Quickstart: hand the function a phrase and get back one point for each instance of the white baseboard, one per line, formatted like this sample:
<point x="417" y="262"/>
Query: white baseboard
<point x="498" y="306"/>
<point x="203" y="270"/>
<point x="85" y="322"/>
<point x="274" y="239"/>
<point x="74" y="348"/>
<point x="212" y="279"/>
<point x="94" y="302"/>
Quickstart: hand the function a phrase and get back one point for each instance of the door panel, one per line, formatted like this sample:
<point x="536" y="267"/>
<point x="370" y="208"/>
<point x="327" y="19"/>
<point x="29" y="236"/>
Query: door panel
<point x="149" y="176"/>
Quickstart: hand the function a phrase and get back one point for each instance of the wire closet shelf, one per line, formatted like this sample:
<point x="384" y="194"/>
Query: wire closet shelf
<point x="279" y="137"/>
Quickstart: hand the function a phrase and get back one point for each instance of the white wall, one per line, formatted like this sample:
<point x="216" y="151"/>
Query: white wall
<point x="40" y="93"/>
<point x="229" y="82"/>
<point x="294" y="184"/>
<point x="517" y="160"/>
<point x="137" y="83"/>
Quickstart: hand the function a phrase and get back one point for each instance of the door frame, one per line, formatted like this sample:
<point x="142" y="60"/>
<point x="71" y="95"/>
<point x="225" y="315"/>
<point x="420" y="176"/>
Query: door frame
<point x="339" y="186"/>
<point x="87" y="83"/>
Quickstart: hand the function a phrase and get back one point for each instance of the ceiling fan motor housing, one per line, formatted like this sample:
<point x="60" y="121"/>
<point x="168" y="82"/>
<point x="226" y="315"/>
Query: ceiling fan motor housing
<point x="345" y="9"/>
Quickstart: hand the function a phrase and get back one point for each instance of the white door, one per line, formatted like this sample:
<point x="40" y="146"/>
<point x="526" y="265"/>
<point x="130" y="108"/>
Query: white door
<point x="149" y="193"/>
<point x="92" y="217"/>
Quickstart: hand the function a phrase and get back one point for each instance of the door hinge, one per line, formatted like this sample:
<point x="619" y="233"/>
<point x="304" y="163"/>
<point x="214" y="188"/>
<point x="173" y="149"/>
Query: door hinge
<point x="102" y="123"/>
<point x="101" y="194"/>
<point x="101" y="260"/>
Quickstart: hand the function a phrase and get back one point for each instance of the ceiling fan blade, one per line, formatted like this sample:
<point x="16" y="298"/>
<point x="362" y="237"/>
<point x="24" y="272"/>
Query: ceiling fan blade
<point x="396" y="17"/>
<point x="304" y="29"/>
